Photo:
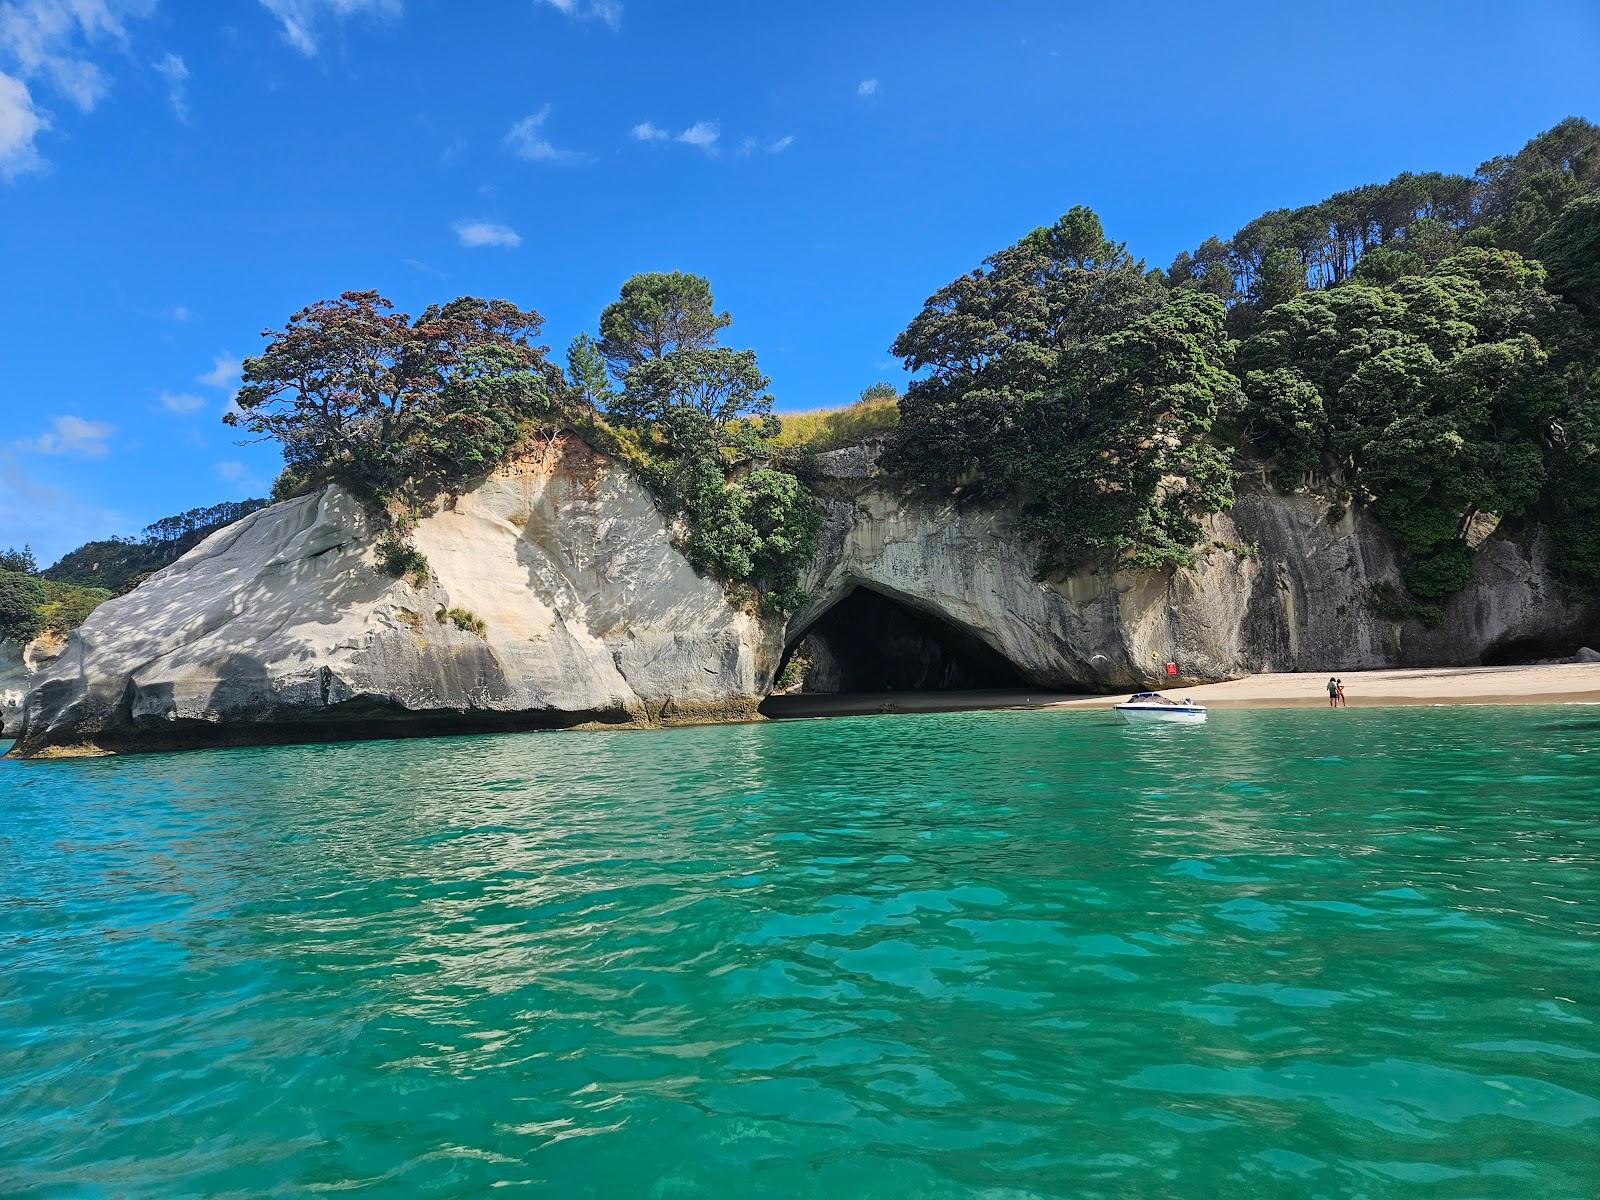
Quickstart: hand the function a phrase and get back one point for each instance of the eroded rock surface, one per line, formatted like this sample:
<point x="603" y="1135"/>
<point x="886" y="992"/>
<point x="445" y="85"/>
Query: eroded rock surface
<point x="19" y="664"/>
<point x="285" y="625"/>
<point x="1278" y="587"/>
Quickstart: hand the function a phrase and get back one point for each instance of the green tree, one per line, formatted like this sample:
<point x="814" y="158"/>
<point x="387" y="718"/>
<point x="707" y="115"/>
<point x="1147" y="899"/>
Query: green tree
<point x="18" y="561"/>
<point x="1440" y="396"/>
<point x="1060" y="376"/>
<point x="586" y="374"/>
<point x="366" y="395"/>
<point x="987" y="344"/>
<point x="1570" y="251"/>
<point x="697" y="409"/>
<point x="656" y="314"/>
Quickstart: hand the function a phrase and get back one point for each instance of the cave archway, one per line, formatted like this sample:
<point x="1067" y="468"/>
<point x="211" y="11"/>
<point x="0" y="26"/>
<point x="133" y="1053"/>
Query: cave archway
<point x="869" y="642"/>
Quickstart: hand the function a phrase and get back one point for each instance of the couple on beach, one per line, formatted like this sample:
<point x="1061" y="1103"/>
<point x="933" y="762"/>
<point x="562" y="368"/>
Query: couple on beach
<point x="1336" y="693"/>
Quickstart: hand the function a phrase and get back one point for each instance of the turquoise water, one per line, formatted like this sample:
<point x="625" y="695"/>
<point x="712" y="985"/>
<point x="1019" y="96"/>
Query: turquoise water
<point x="1006" y="954"/>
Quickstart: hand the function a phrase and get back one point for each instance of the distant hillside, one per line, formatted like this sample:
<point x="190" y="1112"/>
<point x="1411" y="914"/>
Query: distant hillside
<point x="119" y="564"/>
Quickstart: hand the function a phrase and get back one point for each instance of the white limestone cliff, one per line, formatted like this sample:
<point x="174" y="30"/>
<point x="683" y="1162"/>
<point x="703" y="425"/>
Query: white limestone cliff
<point x="285" y="626"/>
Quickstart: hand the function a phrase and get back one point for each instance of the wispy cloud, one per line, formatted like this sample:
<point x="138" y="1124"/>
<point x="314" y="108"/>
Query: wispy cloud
<point x="53" y="43"/>
<point x="20" y="125"/>
<point x="52" y="40"/>
<point x="703" y="134"/>
<point x="224" y="373"/>
<point x="526" y="139"/>
<point x="753" y="145"/>
<point x="182" y="402"/>
<point x="608" y="12"/>
<point x="71" y="435"/>
<point x="474" y="234"/>
<point x="300" y="19"/>
<point x="867" y="87"/>
<point x="172" y="69"/>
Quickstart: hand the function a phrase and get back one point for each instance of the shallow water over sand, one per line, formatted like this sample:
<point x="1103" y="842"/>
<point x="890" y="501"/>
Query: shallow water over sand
<point x="1013" y="954"/>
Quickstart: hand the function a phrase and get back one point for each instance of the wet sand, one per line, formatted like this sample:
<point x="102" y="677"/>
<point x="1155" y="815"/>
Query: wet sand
<point x="1566" y="683"/>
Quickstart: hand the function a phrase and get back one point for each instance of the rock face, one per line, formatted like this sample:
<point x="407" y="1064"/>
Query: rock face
<point x="1278" y="588"/>
<point x="285" y="626"/>
<point x="18" y="665"/>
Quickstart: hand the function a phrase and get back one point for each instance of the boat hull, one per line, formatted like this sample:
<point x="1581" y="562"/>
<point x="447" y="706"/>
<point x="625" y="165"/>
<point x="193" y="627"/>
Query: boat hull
<point x="1168" y="714"/>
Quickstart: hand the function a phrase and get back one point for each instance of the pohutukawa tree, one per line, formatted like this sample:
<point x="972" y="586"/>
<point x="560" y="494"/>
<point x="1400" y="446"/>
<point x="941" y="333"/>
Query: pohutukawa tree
<point x="354" y="390"/>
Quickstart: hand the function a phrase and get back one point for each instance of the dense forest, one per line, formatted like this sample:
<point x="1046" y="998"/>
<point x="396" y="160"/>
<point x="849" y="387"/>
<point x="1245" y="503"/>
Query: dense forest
<point x="1428" y="347"/>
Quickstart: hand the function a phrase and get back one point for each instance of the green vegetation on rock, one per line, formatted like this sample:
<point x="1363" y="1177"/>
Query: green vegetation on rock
<point x="1401" y="346"/>
<point x="686" y="413"/>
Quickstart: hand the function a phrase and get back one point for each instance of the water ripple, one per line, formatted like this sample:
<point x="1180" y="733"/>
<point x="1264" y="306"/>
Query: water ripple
<point x="1020" y="954"/>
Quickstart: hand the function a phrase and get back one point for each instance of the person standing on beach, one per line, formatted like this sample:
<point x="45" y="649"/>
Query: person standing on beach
<point x="1338" y="692"/>
<point x="1333" y="692"/>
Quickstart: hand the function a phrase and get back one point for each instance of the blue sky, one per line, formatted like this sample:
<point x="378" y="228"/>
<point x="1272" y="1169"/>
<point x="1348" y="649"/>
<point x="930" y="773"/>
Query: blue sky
<point x="177" y="175"/>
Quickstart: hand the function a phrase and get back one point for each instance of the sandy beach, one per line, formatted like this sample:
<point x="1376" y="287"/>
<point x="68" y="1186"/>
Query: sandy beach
<point x="1566" y="683"/>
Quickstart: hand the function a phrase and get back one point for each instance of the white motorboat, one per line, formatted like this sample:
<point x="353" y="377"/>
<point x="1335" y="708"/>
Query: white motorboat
<point x="1153" y="706"/>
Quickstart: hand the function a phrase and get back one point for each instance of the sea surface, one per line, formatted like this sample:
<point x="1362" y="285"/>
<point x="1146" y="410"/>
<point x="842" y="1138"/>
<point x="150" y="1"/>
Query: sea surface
<point x="1289" y="954"/>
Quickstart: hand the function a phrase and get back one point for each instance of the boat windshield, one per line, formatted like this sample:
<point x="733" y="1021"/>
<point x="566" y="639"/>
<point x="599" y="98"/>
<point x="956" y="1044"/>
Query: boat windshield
<point x="1151" y="698"/>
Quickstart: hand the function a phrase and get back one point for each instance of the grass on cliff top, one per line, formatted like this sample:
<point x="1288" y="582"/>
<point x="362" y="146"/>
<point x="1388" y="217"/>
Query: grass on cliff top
<point x="822" y="429"/>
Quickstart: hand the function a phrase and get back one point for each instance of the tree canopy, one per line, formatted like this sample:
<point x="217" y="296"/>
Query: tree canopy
<point x="354" y="390"/>
<point x="1062" y="374"/>
<point x="693" y="407"/>
<point x="1401" y="341"/>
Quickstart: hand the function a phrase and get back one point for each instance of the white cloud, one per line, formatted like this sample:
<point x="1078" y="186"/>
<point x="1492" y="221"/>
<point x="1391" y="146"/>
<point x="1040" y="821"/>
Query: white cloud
<point x="750" y="145"/>
<point x="182" y="402"/>
<point x="224" y="373"/>
<point x="51" y="39"/>
<point x="51" y="44"/>
<point x="867" y="87"/>
<point x="608" y="12"/>
<point x="300" y="18"/>
<point x="180" y="313"/>
<point x="20" y="124"/>
<point x="171" y="68"/>
<point x="526" y="139"/>
<point x="72" y="435"/>
<point x="474" y="234"/>
<point x="703" y="134"/>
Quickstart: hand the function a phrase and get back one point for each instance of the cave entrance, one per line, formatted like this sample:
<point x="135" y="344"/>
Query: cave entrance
<point x="867" y="642"/>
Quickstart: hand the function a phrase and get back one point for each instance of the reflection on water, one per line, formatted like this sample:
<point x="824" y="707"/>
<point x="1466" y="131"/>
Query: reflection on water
<point x="1008" y="953"/>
